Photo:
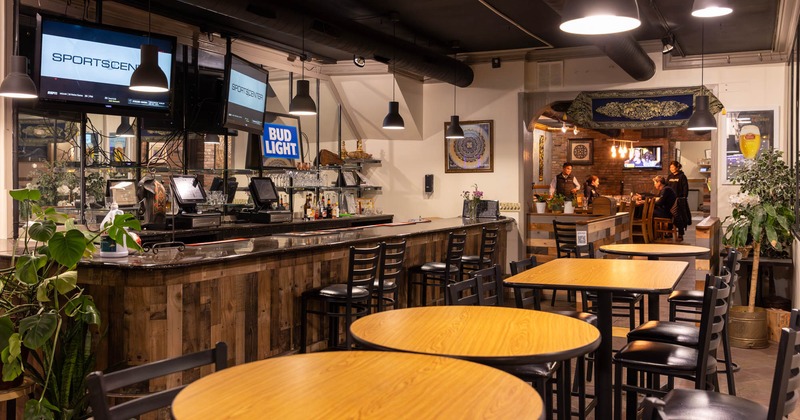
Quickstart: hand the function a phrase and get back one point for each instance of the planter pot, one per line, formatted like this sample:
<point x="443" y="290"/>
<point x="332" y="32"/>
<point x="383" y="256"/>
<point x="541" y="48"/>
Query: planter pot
<point x="541" y="207"/>
<point x="748" y="330"/>
<point x="568" y="208"/>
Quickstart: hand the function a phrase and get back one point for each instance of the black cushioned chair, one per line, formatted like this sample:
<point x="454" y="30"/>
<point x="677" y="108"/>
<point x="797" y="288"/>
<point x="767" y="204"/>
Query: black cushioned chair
<point x="695" y="363"/>
<point x="700" y="404"/>
<point x="346" y="301"/>
<point x="485" y="289"/>
<point x="526" y="298"/>
<point x="486" y="251"/>
<point x="390" y="271"/>
<point x="684" y="305"/>
<point x="99" y="384"/>
<point x="438" y="274"/>
<point x="567" y="247"/>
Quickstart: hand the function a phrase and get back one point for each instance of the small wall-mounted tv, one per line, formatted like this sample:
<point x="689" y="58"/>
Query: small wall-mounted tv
<point x="246" y="95"/>
<point x="89" y="66"/>
<point x="644" y="157"/>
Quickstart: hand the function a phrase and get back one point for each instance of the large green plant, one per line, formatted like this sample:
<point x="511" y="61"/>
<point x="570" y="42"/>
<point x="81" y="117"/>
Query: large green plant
<point x="47" y="313"/>
<point x="762" y="211"/>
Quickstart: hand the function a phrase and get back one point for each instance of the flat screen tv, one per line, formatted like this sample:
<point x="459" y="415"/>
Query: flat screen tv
<point x="263" y="191"/>
<point x="89" y="65"/>
<point x="246" y="95"/>
<point x="188" y="191"/>
<point x="644" y="157"/>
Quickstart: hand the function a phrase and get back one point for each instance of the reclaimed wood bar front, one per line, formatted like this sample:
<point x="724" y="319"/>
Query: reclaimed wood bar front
<point x="243" y="292"/>
<point x="600" y="230"/>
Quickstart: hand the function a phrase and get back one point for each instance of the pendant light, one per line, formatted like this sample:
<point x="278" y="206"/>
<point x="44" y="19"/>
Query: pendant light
<point x="454" y="131"/>
<point x="701" y="119"/>
<point x="393" y="120"/>
<point x="302" y="104"/>
<point x="598" y="17"/>
<point x="614" y="150"/>
<point x="125" y="129"/>
<point x="209" y="138"/>
<point x="17" y="83"/>
<point x="711" y="8"/>
<point x="563" y="127"/>
<point x="575" y="130"/>
<point x="149" y="77"/>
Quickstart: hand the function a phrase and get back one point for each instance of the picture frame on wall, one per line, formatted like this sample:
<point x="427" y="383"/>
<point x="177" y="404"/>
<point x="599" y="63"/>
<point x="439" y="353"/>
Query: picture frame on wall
<point x="580" y="151"/>
<point x="747" y="134"/>
<point x="474" y="152"/>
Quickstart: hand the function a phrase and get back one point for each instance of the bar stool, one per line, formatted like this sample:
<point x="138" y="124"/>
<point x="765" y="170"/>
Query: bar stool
<point x="485" y="257"/>
<point x="567" y="246"/>
<point x="439" y="274"/>
<point x="354" y="297"/>
<point x="390" y="271"/>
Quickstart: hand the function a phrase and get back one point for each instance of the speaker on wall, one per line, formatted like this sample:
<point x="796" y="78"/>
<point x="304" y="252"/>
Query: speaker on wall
<point x="429" y="183"/>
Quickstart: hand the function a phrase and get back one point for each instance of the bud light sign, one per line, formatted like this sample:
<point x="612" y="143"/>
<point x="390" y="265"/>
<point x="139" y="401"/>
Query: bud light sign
<point x="281" y="141"/>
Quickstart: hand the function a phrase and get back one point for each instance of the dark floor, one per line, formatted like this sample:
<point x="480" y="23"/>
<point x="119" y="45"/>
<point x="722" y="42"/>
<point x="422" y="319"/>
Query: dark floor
<point x="753" y="381"/>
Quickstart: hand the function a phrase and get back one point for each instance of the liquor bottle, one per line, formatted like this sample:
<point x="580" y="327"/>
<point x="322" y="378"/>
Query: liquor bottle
<point x="329" y="210"/>
<point x="308" y="212"/>
<point x="335" y="210"/>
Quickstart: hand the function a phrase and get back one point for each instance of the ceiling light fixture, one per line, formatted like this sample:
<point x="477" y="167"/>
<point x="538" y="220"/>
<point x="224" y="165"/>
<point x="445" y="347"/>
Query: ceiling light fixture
<point x="17" y="83"/>
<point x="598" y="17"/>
<point x="701" y="118"/>
<point x="454" y="131"/>
<point x="669" y="44"/>
<point x="125" y="129"/>
<point x="575" y="130"/>
<point x="359" y="61"/>
<point x="149" y="77"/>
<point x="209" y="138"/>
<point x="711" y="8"/>
<point x="302" y="104"/>
<point x="563" y="127"/>
<point x="393" y="120"/>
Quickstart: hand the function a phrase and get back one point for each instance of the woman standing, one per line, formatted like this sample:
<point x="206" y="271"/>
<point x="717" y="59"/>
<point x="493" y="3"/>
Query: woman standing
<point x="678" y="181"/>
<point x="590" y="188"/>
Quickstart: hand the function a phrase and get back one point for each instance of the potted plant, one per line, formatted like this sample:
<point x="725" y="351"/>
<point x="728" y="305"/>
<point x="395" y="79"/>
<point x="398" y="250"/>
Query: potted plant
<point x="556" y="203"/>
<point x="540" y="200"/>
<point x="568" y="200"/>
<point x="762" y="216"/>
<point x="46" y="317"/>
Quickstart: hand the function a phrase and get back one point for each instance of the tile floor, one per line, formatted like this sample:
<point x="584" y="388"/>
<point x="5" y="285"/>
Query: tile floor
<point x="753" y="381"/>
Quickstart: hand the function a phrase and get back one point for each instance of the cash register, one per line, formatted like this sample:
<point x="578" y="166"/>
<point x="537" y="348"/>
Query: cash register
<point x="189" y="192"/>
<point x="265" y="197"/>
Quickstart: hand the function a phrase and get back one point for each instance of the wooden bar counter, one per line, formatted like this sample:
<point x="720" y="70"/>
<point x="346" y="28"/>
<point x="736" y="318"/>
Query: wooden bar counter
<point x="600" y="230"/>
<point x="244" y="292"/>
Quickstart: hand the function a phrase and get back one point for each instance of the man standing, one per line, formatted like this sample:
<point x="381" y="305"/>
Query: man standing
<point x="564" y="183"/>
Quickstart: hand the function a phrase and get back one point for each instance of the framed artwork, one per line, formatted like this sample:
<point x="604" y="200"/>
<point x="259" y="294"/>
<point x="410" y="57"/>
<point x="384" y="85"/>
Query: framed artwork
<point x="118" y="150"/>
<point x="580" y="152"/>
<point x="747" y="133"/>
<point x="473" y="153"/>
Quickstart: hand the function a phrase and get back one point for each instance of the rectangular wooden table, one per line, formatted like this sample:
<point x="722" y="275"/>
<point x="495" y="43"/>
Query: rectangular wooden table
<point x="605" y="277"/>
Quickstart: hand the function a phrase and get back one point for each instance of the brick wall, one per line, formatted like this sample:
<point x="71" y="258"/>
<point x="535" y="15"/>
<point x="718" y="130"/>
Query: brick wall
<point x="610" y="169"/>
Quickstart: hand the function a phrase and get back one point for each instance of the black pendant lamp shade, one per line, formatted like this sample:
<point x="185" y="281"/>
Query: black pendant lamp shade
<point x="711" y="8"/>
<point x="393" y="120"/>
<point x="125" y="129"/>
<point x="454" y="131"/>
<point x="701" y="118"/>
<point x="302" y="104"/>
<point x="148" y="77"/>
<point x="18" y="84"/>
<point x="209" y="138"/>
<point x="597" y="17"/>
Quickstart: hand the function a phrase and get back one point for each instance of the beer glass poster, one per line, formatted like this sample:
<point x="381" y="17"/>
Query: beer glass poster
<point x="748" y="133"/>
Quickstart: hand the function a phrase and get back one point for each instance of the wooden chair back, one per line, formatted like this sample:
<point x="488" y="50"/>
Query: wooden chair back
<point x="391" y="268"/>
<point x="525" y="297"/>
<point x="490" y="286"/>
<point x="464" y="292"/>
<point x="456" y="242"/>
<point x="785" y="383"/>
<point x="100" y="384"/>
<point x="489" y="238"/>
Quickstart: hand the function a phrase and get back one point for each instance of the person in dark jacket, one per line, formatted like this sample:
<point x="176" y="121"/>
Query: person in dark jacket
<point x="677" y="180"/>
<point x="590" y="188"/>
<point x="665" y="199"/>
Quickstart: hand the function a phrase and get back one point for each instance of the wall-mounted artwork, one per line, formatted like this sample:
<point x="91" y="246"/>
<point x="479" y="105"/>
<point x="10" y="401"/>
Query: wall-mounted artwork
<point x="473" y="153"/>
<point x="580" y="152"/>
<point x="747" y="134"/>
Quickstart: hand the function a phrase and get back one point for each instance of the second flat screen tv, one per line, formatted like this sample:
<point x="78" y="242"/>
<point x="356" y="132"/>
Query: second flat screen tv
<point x="246" y="95"/>
<point x="644" y="157"/>
<point x="90" y="65"/>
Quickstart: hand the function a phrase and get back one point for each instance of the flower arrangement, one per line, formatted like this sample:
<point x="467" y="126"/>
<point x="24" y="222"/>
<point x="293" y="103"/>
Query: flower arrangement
<point x="540" y="198"/>
<point x="474" y="195"/>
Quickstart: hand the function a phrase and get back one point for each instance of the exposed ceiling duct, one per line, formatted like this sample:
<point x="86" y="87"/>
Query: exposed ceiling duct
<point x="621" y="49"/>
<point x="258" y="21"/>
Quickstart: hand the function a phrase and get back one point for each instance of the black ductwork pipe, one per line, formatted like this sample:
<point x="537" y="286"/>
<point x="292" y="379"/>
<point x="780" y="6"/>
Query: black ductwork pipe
<point x="259" y="18"/>
<point x="621" y="49"/>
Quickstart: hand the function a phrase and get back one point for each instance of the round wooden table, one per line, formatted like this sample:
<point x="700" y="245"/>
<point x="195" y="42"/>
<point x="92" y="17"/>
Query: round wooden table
<point x="655" y="251"/>
<point x="485" y="334"/>
<point x="358" y="384"/>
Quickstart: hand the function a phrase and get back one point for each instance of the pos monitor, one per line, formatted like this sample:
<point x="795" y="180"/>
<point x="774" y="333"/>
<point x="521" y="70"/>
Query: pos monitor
<point x="263" y="192"/>
<point x="188" y="192"/>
